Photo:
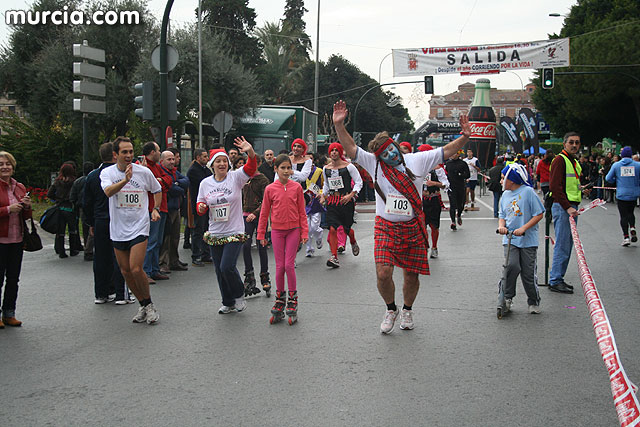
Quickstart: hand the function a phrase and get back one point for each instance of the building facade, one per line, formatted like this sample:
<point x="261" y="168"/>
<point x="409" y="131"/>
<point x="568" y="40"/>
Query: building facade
<point x="505" y="102"/>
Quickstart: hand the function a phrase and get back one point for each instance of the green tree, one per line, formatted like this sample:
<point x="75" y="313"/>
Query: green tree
<point x="294" y="24"/>
<point x="606" y="104"/>
<point x="279" y="75"/>
<point x="341" y="79"/>
<point x="235" y="20"/>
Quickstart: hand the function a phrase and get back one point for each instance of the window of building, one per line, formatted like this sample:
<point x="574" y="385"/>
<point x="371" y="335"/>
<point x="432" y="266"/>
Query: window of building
<point x="503" y="112"/>
<point x="440" y="113"/>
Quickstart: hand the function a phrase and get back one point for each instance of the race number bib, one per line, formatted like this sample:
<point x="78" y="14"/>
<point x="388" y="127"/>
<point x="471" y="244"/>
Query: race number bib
<point x="313" y="188"/>
<point x="335" y="183"/>
<point x="398" y="205"/>
<point x="627" y="171"/>
<point x="130" y="199"/>
<point x="220" y="212"/>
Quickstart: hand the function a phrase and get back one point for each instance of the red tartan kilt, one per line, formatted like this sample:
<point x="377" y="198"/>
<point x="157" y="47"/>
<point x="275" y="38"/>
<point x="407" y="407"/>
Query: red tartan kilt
<point x="401" y="244"/>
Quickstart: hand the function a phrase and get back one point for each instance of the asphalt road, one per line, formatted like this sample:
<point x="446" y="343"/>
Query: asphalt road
<point x="77" y="363"/>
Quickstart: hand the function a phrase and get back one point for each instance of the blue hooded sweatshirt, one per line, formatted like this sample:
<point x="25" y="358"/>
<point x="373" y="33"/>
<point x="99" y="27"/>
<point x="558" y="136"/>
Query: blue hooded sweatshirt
<point x="626" y="175"/>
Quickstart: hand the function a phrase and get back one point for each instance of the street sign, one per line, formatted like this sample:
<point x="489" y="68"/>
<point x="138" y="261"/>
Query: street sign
<point x="85" y="87"/>
<point x="172" y="57"/>
<point x="84" y="69"/>
<point x="222" y="122"/>
<point x="86" y="52"/>
<point x="86" y="105"/>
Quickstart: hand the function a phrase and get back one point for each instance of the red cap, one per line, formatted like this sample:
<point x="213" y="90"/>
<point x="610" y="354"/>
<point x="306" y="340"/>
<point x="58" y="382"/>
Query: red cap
<point x="406" y="144"/>
<point x="301" y="142"/>
<point x="425" y="147"/>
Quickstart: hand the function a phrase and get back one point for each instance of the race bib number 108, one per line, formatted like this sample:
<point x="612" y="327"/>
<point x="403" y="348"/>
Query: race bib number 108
<point x="130" y="199"/>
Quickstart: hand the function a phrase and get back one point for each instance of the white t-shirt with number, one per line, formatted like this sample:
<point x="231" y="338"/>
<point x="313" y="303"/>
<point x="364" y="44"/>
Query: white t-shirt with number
<point x="224" y="199"/>
<point x="420" y="163"/>
<point x="473" y="172"/>
<point x="129" y="207"/>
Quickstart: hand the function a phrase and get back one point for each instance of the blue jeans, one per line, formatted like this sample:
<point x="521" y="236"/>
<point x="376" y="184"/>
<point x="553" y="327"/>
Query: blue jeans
<point x="156" y="234"/>
<point x="564" y="243"/>
<point x="496" y="203"/>
<point x="229" y="280"/>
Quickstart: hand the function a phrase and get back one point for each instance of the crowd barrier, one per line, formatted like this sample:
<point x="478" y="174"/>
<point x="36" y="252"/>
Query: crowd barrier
<point x="622" y="389"/>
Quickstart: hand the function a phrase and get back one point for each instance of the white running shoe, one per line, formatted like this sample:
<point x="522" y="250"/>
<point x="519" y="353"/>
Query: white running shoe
<point x="534" y="309"/>
<point x="406" y="319"/>
<point x="241" y="304"/>
<point x="310" y="253"/>
<point x="355" y="249"/>
<point x="626" y="241"/>
<point x="225" y="309"/>
<point x="389" y="321"/>
<point x="319" y="243"/>
<point x="125" y="301"/>
<point x="141" y="315"/>
<point x="434" y="253"/>
<point x="507" y="304"/>
<point x="152" y="314"/>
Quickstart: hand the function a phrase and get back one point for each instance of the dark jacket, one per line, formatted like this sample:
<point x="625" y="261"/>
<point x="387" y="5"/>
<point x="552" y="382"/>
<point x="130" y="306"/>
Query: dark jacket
<point x="60" y="192"/>
<point x="267" y="170"/>
<point x="253" y="192"/>
<point x="95" y="203"/>
<point x="457" y="173"/>
<point x="178" y="190"/>
<point x="495" y="174"/>
<point x="196" y="174"/>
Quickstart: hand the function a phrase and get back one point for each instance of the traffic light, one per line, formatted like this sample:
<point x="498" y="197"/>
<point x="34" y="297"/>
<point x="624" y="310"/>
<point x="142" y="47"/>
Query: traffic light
<point x="428" y="85"/>
<point x="145" y="100"/>
<point x="547" y="78"/>
<point x="172" y="100"/>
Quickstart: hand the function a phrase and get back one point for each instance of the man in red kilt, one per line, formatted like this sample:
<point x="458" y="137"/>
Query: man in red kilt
<point x="400" y="233"/>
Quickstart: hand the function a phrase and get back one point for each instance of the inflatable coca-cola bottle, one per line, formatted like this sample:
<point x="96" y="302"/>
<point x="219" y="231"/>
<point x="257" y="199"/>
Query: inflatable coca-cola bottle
<point x="482" y="119"/>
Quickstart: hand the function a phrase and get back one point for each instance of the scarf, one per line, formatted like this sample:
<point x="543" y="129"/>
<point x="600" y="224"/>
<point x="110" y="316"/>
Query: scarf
<point x="401" y="182"/>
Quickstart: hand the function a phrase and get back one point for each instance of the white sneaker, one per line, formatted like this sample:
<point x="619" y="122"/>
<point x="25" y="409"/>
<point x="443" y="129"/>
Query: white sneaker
<point x="389" y="321"/>
<point x="310" y="253"/>
<point x="152" y="314"/>
<point x="141" y="315"/>
<point x="241" y="304"/>
<point x="319" y="243"/>
<point x="434" y="253"/>
<point x="626" y="241"/>
<point x="125" y="301"/>
<point x="534" y="309"/>
<point x="225" y="309"/>
<point x="107" y="299"/>
<point x="406" y="319"/>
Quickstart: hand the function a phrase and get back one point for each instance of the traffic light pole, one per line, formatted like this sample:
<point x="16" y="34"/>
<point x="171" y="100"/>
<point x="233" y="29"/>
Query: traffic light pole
<point x="355" y="110"/>
<point x="164" y="76"/>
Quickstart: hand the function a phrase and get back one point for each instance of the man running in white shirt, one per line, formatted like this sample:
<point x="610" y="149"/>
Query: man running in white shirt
<point x="128" y="187"/>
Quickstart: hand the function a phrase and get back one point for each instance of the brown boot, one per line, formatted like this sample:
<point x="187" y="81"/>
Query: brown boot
<point x="1" y="325"/>
<point x="11" y="321"/>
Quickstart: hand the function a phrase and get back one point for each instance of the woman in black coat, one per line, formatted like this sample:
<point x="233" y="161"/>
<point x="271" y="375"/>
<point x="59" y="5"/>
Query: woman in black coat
<point x="59" y="192"/>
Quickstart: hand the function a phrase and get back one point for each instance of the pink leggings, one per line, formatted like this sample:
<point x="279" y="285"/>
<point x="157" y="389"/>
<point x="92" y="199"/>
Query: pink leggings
<point x="285" y="246"/>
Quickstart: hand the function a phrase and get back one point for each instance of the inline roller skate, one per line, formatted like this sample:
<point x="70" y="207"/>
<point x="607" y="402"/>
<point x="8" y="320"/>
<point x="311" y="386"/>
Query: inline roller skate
<point x="277" y="312"/>
<point x="292" y="307"/>
<point x="266" y="284"/>
<point x="250" y="287"/>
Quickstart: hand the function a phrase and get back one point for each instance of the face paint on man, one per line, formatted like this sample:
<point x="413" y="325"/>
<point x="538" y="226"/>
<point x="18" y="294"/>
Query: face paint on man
<point x="391" y="155"/>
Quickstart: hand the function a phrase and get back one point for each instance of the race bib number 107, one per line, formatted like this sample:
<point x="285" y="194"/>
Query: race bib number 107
<point x="220" y="212"/>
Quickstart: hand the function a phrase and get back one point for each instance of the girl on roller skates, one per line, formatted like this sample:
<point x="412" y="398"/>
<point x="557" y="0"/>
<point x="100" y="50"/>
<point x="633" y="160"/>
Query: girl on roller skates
<point x="284" y="202"/>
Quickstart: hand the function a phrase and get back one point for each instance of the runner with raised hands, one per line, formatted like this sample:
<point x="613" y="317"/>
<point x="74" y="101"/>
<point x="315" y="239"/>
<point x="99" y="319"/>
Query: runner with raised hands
<point x="400" y="234"/>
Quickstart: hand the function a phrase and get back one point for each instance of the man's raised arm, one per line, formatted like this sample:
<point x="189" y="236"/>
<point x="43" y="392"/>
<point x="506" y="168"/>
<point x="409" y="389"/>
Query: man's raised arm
<point x="340" y="114"/>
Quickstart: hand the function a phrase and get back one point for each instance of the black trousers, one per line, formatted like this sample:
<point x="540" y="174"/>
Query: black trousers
<point x="107" y="277"/>
<point x="199" y="249"/>
<point x="10" y="265"/>
<point x="627" y="218"/>
<point x="456" y="202"/>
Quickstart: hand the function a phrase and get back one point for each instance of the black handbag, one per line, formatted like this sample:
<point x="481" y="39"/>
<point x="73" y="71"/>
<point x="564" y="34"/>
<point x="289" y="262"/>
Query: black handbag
<point x="49" y="220"/>
<point x="31" y="241"/>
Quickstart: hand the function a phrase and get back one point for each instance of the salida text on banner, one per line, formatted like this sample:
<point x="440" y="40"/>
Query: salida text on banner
<point x="481" y="58"/>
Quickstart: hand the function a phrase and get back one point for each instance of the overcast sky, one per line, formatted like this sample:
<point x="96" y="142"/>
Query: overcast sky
<point x="365" y="31"/>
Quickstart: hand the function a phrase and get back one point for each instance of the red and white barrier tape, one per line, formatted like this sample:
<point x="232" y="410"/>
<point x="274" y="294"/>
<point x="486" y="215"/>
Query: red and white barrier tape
<point x="594" y="204"/>
<point x="622" y="389"/>
<point x="607" y="188"/>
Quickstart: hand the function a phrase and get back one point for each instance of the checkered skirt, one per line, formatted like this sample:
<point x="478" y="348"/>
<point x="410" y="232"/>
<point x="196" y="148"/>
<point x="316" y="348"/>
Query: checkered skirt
<point x="401" y="244"/>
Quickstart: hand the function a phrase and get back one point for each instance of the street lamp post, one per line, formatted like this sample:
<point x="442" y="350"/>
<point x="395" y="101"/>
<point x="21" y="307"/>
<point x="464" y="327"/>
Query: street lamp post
<point x="200" y="145"/>
<point x="380" y="67"/>
<point x="316" y="85"/>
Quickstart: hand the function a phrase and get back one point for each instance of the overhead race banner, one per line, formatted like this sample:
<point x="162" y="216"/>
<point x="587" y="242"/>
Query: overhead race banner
<point x="489" y="58"/>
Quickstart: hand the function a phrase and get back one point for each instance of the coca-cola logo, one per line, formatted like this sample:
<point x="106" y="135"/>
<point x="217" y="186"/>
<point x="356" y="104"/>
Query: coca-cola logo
<point x="483" y="130"/>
